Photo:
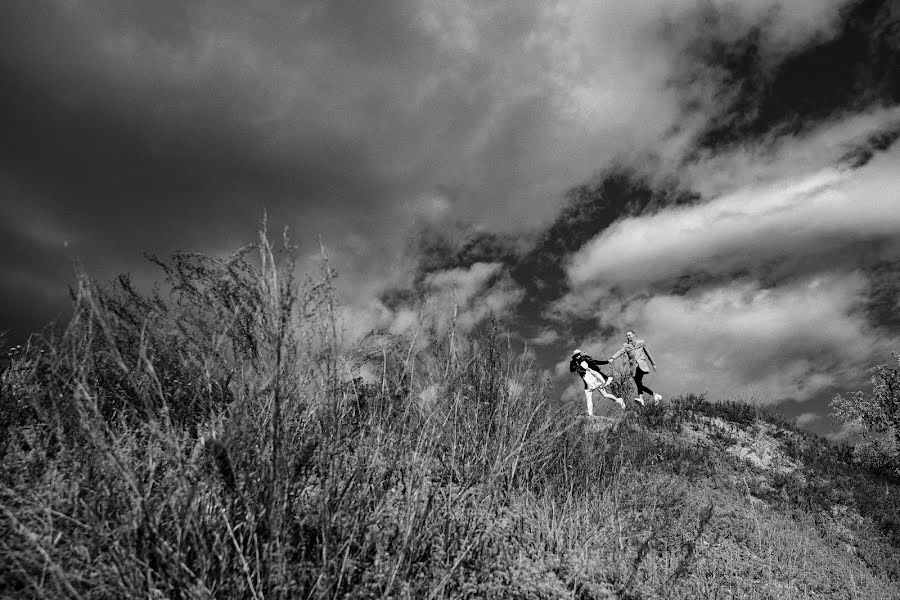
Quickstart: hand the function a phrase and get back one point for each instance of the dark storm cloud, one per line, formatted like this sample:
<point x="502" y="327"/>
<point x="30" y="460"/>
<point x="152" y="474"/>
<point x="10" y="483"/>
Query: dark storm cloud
<point x="855" y="68"/>
<point x="136" y="127"/>
<point x="189" y="118"/>
<point x="130" y="130"/>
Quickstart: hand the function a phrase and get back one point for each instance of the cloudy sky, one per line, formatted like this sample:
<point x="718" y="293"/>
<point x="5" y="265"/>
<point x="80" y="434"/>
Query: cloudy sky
<point x="720" y="175"/>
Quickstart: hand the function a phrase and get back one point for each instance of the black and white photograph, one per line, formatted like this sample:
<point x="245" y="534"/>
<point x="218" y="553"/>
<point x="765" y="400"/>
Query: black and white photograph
<point x="445" y="299"/>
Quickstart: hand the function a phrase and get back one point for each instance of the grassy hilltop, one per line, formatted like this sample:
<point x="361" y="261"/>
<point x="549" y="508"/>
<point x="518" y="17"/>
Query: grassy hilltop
<point x="215" y="440"/>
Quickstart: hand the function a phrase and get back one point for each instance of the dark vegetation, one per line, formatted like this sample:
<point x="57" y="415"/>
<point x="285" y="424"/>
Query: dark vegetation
<point x="216" y="439"/>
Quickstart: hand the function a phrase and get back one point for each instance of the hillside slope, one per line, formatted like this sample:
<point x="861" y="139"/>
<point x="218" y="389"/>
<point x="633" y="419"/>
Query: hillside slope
<point x="792" y="515"/>
<point x="689" y="500"/>
<point x="222" y="445"/>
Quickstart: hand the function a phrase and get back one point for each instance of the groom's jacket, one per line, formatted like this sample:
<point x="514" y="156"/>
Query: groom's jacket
<point x="637" y="355"/>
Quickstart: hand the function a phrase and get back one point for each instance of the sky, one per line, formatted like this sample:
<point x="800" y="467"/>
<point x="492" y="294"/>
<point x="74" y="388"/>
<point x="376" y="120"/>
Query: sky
<point x="721" y="176"/>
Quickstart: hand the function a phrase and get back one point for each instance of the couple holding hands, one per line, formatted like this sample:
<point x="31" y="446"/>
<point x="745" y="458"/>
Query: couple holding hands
<point x="639" y="360"/>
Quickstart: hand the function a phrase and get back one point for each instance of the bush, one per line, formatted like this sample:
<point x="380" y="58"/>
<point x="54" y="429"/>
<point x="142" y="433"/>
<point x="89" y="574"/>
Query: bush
<point x="878" y="414"/>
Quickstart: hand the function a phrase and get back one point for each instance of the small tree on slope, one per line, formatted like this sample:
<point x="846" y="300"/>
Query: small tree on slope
<point x="878" y="413"/>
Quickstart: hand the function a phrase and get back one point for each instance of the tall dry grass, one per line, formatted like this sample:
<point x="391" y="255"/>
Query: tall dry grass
<point x="215" y="439"/>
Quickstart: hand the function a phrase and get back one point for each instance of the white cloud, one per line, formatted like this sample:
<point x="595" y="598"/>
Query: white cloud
<point x="464" y="297"/>
<point x="545" y="337"/>
<point x="791" y="341"/>
<point x="813" y="216"/>
<point x="720" y="172"/>
<point x="472" y="293"/>
<point x="807" y="418"/>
